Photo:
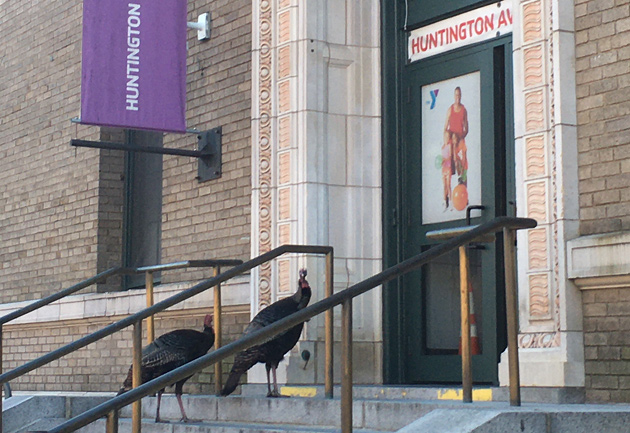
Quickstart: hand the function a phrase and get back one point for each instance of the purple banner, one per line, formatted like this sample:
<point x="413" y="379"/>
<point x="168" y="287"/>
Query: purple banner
<point x="134" y="64"/>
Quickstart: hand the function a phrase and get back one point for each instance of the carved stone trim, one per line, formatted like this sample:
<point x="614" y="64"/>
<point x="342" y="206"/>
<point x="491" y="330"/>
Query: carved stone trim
<point x="532" y="22"/>
<point x="536" y="160"/>
<point x="264" y="102"/>
<point x="535" y="111"/>
<point x="537" y="201"/>
<point x="533" y="65"/>
<point x="539" y="187"/>
<point x="539" y="300"/>
<point x="539" y="340"/>
<point x="538" y="251"/>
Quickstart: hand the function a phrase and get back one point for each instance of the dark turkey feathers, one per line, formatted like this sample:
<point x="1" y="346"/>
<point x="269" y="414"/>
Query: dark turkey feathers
<point x="170" y="351"/>
<point x="273" y="351"/>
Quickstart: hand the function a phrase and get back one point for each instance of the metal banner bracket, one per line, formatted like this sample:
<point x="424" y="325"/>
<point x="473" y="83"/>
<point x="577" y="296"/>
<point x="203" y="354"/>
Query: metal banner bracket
<point x="208" y="153"/>
<point x="209" y="145"/>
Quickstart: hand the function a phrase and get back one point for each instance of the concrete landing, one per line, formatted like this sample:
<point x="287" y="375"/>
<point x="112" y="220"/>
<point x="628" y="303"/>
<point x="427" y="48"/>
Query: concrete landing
<point x="375" y="409"/>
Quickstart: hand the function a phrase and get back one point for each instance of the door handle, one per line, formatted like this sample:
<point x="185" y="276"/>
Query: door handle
<point x="471" y="208"/>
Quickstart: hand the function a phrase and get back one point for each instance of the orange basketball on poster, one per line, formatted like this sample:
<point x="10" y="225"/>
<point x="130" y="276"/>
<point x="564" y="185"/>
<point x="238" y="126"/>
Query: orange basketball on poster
<point x="460" y="197"/>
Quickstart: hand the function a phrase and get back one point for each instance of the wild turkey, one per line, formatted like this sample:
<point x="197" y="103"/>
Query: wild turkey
<point x="170" y="351"/>
<point x="271" y="352"/>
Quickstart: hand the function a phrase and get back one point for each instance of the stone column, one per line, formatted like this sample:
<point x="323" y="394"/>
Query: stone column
<point x="316" y="159"/>
<point x="550" y="339"/>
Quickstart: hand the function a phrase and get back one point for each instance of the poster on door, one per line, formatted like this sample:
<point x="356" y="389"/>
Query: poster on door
<point x="451" y="148"/>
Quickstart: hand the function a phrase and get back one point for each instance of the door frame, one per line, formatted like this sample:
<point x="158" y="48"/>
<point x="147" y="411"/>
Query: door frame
<point x="394" y="61"/>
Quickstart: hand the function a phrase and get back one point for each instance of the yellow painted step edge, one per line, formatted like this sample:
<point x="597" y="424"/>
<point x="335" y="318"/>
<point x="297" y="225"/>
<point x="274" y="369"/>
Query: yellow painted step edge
<point x="298" y="391"/>
<point x="443" y="394"/>
<point x="456" y="394"/>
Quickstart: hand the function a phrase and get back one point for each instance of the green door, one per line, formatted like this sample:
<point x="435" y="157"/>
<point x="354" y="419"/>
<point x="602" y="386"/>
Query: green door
<point x="456" y="120"/>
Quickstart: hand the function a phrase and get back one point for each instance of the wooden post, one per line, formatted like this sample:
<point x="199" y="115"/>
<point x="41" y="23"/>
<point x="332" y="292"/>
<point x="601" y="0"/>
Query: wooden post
<point x="150" y="323"/>
<point x="136" y="411"/>
<point x="465" y="326"/>
<point x="111" y="424"/>
<point x="511" y="308"/>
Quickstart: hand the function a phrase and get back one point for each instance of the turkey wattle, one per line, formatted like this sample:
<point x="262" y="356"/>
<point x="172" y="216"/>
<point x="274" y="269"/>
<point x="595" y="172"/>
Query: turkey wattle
<point x="273" y="351"/>
<point x="170" y="351"/>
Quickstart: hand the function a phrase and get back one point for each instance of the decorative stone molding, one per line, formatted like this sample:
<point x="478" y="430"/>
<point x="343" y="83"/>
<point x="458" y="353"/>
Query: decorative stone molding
<point x="536" y="161"/>
<point x="262" y="134"/>
<point x="550" y="316"/>
<point x="539" y="302"/>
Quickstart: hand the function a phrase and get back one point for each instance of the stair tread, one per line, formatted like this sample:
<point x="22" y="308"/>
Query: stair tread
<point x="251" y="425"/>
<point x="41" y="424"/>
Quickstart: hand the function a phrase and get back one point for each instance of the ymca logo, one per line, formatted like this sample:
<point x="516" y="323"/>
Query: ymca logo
<point x="434" y="94"/>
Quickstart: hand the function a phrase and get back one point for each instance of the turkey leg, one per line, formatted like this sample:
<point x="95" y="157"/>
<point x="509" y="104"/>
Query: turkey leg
<point x="269" y="393"/>
<point x="275" y="392"/>
<point x="159" y="400"/>
<point x="178" y="393"/>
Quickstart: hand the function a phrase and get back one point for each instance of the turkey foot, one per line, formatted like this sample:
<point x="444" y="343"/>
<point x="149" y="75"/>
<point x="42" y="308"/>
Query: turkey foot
<point x="276" y="394"/>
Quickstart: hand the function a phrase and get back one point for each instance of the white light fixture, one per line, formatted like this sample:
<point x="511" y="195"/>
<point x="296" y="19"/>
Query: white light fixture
<point x="202" y="26"/>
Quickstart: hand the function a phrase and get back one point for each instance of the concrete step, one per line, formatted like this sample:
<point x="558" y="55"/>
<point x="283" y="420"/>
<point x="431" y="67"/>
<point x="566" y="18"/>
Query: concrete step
<point x="394" y="409"/>
<point x="480" y="393"/>
<point x="40" y="425"/>
<point x="383" y="415"/>
<point x="124" y="426"/>
<point x="526" y="419"/>
<point x="22" y="412"/>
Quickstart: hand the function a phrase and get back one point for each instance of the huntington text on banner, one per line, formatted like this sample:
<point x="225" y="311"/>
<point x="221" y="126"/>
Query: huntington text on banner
<point x="134" y="64"/>
<point x="468" y="28"/>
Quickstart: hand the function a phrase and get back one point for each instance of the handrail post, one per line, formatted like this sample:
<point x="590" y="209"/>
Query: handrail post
<point x="218" y="370"/>
<point x="465" y="326"/>
<point x="346" y="366"/>
<point x="136" y="414"/>
<point x="329" y="330"/>
<point x="511" y="306"/>
<point x="111" y="425"/>
<point x="150" y="323"/>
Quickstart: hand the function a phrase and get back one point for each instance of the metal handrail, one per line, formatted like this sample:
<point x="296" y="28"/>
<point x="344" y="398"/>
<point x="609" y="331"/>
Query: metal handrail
<point x="61" y="294"/>
<point x="136" y="319"/>
<point x="56" y="354"/>
<point x="344" y="298"/>
<point x="149" y="270"/>
<point x="109" y="273"/>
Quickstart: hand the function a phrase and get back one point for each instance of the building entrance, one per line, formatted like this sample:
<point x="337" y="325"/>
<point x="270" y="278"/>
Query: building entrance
<point x="454" y="159"/>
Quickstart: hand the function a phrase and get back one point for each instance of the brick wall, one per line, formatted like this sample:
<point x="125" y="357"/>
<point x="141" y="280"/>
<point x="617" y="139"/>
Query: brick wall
<point x="102" y="366"/>
<point x="61" y="207"/>
<point x="607" y="344"/>
<point x="212" y="219"/>
<point x="603" y="91"/>
<point x="48" y="190"/>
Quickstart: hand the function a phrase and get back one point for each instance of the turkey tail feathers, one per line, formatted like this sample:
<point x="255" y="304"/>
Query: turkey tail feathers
<point x="243" y="362"/>
<point x="231" y="383"/>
